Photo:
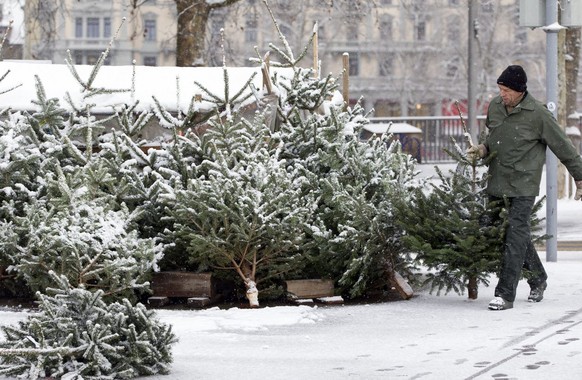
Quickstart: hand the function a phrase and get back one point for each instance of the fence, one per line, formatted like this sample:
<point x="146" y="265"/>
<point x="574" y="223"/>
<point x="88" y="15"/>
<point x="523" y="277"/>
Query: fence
<point x="437" y="132"/>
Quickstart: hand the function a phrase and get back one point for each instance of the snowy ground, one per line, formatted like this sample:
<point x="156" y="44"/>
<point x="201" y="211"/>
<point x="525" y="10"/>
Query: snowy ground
<point x="427" y="337"/>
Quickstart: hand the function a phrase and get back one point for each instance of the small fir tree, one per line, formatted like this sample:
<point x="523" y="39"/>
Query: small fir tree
<point x="454" y="231"/>
<point x="77" y="335"/>
<point x="248" y="212"/>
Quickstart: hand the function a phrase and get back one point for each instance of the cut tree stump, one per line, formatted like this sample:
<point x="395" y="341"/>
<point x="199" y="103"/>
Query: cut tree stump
<point x="200" y="289"/>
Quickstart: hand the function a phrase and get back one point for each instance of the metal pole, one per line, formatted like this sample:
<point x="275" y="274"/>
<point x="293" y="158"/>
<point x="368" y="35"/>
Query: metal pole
<point x="472" y="92"/>
<point x="552" y="102"/>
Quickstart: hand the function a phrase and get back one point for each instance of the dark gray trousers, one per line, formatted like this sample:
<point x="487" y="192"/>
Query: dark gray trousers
<point x="519" y="250"/>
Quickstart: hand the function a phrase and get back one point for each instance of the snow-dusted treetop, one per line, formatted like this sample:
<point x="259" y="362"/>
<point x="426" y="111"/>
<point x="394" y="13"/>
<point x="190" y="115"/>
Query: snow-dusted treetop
<point x="173" y="87"/>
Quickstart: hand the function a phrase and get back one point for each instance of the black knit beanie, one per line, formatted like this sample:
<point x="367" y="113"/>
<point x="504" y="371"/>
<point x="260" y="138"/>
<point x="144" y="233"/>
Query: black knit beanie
<point x="513" y="77"/>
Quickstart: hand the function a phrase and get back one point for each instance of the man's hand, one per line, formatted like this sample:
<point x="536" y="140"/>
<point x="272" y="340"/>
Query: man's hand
<point x="578" y="190"/>
<point x="477" y="151"/>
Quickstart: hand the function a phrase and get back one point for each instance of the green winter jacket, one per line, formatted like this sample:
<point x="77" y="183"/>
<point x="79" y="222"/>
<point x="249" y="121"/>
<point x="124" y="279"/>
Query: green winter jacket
<point x="519" y="140"/>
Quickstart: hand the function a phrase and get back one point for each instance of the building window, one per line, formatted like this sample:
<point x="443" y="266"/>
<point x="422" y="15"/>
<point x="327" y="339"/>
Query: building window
<point x="89" y="57"/>
<point x="93" y="27"/>
<point x="286" y="30"/>
<point x="452" y="68"/>
<point x="354" y="63"/>
<point x="453" y="29"/>
<point x="217" y="25"/>
<point x="386" y="28"/>
<point x="78" y="27"/>
<point x="93" y="57"/>
<point x="421" y="31"/>
<point x="150" y="33"/>
<point x="150" y="61"/>
<point x="107" y="27"/>
<point x="386" y="66"/>
<point x="352" y="32"/>
<point x="251" y="28"/>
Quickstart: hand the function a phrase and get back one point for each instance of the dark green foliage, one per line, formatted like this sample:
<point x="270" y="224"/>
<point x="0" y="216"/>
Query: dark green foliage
<point x="246" y="212"/>
<point x="76" y="335"/>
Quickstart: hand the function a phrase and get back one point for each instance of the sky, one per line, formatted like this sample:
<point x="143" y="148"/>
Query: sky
<point x="427" y="337"/>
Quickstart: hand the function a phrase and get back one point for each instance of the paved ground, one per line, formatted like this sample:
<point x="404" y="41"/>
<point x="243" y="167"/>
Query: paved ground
<point x="429" y="337"/>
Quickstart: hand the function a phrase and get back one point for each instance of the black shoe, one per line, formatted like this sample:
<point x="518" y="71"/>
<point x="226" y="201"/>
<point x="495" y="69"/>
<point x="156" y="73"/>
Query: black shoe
<point x="537" y="293"/>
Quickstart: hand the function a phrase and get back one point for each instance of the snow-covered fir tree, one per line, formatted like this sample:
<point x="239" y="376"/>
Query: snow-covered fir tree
<point x="247" y="211"/>
<point x="67" y="230"/>
<point x="75" y="334"/>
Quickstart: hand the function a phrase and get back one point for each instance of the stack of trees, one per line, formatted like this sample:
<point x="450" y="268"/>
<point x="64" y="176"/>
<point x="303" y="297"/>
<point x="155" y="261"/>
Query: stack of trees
<point x="289" y="192"/>
<point x="87" y="214"/>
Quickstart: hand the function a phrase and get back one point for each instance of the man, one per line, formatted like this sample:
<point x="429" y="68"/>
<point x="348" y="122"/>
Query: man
<point x="519" y="130"/>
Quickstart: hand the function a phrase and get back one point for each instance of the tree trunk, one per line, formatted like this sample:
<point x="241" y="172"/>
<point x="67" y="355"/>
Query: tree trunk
<point x="562" y="113"/>
<point x="251" y="285"/>
<point x="571" y="67"/>
<point x="572" y="43"/>
<point x="473" y="288"/>
<point x="192" y="26"/>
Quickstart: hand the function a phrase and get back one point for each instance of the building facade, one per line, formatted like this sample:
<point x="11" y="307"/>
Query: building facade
<point x="406" y="57"/>
<point x="143" y="32"/>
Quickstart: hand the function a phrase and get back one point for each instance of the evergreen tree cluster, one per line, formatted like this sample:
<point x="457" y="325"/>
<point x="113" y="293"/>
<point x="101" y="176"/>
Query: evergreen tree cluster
<point x="69" y="237"/>
<point x="268" y="188"/>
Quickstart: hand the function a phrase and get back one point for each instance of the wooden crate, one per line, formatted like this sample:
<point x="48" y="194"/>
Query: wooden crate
<point x="312" y="288"/>
<point x="184" y="285"/>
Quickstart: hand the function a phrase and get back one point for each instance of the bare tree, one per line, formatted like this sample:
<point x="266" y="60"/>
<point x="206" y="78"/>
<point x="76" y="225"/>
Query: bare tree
<point x="192" y="25"/>
<point x="41" y="26"/>
<point x="569" y="65"/>
<point x="572" y="63"/>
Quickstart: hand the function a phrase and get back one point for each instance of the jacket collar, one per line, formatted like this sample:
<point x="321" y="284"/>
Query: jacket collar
<point x="527" y="103"/>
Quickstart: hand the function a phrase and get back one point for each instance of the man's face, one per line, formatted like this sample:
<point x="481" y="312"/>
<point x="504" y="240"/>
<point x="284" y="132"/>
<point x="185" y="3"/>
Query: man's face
<point x="510" y="97"/>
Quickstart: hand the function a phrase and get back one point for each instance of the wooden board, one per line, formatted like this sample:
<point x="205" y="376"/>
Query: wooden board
<point x="313" y="288"/>
<point x="158" y="301"/>
<point x="183" y="285"/>
<point x="200" y="301"/>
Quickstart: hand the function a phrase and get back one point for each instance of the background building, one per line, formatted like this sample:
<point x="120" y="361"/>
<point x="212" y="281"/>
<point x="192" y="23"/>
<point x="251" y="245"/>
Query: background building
<point x="406" y="57"/>
<point x="86" y="28"/>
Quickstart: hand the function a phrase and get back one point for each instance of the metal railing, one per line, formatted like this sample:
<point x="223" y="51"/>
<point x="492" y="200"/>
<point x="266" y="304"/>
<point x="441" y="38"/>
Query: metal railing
<point x="437" y="131"/>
